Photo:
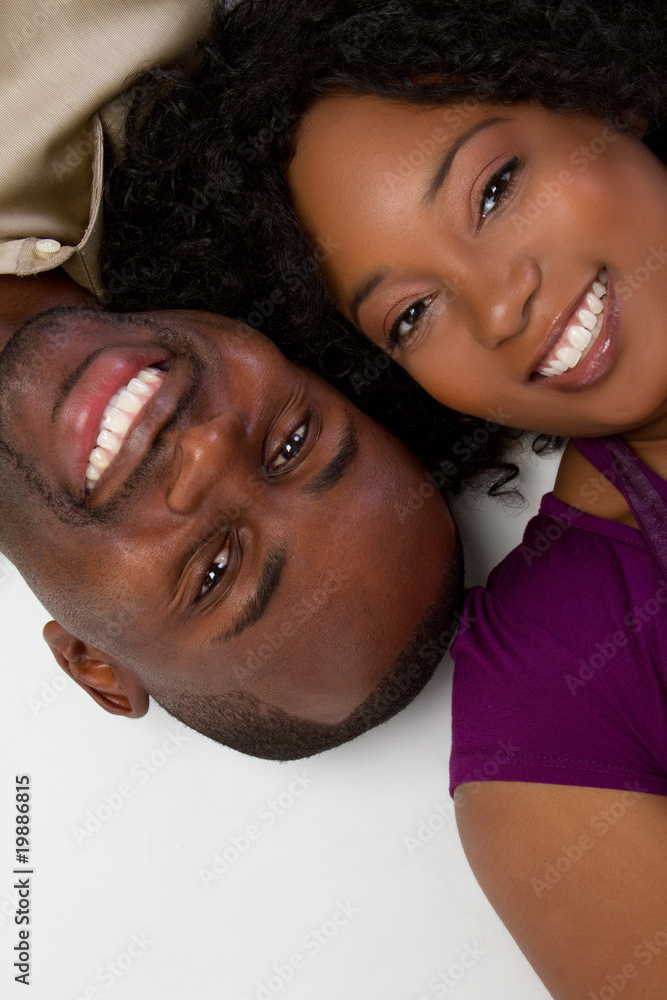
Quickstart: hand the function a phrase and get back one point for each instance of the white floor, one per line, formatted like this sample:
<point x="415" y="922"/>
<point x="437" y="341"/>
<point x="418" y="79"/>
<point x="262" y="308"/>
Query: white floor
<point x="167" y="867"/>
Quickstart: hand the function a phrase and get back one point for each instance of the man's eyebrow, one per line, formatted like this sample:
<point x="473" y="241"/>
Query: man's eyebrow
<point x="265" y="591"/>
<point x="336" y="467"/>
<point x="446" y="163"/>
<point x="272" y="571"/>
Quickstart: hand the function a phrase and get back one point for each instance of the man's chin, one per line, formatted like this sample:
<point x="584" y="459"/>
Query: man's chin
<point x="241" y="721"/>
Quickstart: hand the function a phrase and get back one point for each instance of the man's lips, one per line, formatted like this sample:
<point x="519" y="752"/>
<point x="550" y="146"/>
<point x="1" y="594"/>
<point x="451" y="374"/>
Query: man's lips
<point x="121" y="413"/>
<point x="80" y="415"/>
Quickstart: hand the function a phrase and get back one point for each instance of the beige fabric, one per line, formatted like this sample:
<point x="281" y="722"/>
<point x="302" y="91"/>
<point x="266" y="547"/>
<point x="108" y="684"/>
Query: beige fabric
<point x="63" y="64"/>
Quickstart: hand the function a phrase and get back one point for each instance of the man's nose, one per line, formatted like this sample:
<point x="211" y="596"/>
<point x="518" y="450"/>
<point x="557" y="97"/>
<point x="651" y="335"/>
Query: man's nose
<point x="501" y="302"/>
<point x="206" y="456"/>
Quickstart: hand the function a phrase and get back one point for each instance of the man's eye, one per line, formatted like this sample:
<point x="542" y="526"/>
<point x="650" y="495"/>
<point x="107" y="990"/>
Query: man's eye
<point x="497" y="187"/>
<point x="291" y="448"/>
<point x="217" y="569"/>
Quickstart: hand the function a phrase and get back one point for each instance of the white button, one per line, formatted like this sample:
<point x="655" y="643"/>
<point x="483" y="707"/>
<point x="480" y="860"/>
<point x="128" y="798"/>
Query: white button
<point x="47" y="246"/>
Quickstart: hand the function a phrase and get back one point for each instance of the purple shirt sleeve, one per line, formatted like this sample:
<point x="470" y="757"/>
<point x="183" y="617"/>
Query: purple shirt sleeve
<point x="526" y="708"/>
<point x="561" y="676"/>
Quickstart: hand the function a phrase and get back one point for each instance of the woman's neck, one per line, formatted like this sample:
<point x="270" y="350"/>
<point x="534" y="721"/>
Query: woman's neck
<point x="581" y="485"/>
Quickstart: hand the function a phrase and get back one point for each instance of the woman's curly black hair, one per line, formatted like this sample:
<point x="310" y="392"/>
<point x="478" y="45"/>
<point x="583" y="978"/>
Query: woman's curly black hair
<point x="199" y="214"/>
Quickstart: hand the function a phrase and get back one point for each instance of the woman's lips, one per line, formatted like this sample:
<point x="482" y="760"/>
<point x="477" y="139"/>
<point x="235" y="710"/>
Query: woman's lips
<point x="83" y="410"/>
<point x="582" y="355"/>
<point x="583" y="326"/>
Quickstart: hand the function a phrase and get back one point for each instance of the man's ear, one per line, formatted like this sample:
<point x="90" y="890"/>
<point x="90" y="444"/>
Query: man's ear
<point x="110" y="682"/>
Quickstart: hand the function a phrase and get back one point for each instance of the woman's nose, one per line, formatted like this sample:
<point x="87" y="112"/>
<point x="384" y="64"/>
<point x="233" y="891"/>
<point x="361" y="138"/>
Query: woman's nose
<point x="501" y="301"/>
<point x="207" y="456"/>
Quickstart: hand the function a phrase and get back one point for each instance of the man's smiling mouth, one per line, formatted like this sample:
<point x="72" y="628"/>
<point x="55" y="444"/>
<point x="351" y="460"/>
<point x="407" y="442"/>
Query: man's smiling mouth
<point x="580" y="333"/>
<point x="121" y="412"/>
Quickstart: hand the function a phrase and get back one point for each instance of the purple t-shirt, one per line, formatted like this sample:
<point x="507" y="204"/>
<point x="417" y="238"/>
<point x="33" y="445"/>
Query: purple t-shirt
<point x="561" y="662"/>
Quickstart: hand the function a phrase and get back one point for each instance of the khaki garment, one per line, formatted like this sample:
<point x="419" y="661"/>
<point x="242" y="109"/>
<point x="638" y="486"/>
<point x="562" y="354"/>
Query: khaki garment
<point x="63" y="65"/>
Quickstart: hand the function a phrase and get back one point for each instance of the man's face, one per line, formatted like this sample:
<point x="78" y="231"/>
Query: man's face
<point x="253" y="532"/>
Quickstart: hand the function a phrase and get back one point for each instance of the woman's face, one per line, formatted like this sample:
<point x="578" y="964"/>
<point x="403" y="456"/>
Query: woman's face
<point x="511" y="259"/>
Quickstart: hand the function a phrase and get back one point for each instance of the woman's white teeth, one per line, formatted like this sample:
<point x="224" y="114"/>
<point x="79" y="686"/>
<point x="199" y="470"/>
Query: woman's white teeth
<point x="577" y="337"/>
<point x="119" y="415"/>
<point x="586" y="318"/>
<point x="595" y="304"/>
<point x="569" y="356"/>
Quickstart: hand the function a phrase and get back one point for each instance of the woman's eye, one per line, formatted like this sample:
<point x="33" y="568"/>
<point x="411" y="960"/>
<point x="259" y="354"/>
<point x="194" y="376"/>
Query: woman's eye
<point x="292" y="447"/>
<point x="408" y="322"/>
<point x="217" y="569"/>
<point x="497" y="187"/>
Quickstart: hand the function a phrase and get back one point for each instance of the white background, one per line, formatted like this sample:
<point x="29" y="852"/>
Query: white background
<point x="366" y="856"/>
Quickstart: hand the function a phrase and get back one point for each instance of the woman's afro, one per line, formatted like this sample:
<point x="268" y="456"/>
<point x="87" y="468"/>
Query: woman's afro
<point x="199" y="214"/>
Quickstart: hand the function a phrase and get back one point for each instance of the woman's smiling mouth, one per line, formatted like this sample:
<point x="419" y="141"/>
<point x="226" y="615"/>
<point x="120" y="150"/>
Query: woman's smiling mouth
<point x="580" y="333"/>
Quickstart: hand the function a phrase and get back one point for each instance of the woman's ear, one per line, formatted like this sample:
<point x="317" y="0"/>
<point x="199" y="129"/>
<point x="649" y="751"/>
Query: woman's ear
<point x="110" y="682"/>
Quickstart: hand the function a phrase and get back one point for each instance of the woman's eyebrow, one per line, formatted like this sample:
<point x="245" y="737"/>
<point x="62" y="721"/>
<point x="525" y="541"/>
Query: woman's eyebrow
<point x="365" y="289"/>
<point x="446" y="163"/>
<point x="368" y="285"/>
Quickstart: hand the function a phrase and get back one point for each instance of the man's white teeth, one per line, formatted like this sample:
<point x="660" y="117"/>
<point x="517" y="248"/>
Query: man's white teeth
<point x="108" y="441"/>
<point x="141" y="387"/>
<point x="129" y="402"/>
<point x="578" y="336"/>
<point x="100" y="459"/>
<point x="115" y="420"/>
<point x="151" y="376"/>
<point x="118" y="417"/>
